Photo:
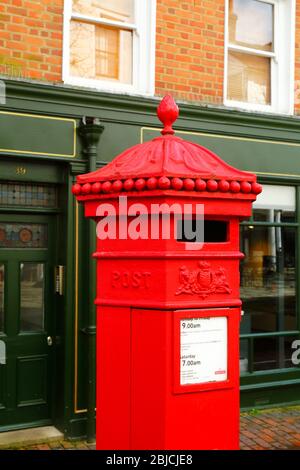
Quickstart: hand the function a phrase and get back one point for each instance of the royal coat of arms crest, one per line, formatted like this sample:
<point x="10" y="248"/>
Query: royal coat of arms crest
<point x="203" y="281"/>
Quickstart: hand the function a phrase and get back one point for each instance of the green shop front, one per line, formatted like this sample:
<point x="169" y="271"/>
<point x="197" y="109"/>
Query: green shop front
<point x="50" y="134"/>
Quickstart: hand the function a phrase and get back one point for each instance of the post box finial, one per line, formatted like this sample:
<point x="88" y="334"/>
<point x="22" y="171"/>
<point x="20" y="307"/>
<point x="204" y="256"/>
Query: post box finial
<point x="167" y="113"/>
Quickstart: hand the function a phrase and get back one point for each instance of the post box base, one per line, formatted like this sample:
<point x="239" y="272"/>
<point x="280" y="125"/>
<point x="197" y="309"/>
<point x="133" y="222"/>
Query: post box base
<point x="147" y="399"/>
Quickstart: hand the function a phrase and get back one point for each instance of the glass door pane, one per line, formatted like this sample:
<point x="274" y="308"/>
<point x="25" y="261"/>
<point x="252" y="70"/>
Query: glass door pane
<point x="32" y="293"/>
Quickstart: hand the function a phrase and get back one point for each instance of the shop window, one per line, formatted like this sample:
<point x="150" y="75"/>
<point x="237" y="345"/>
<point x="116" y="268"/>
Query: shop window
<point x="259" y="54"/>
<point x="269" y="281"/>
<point x="109" y="45"/>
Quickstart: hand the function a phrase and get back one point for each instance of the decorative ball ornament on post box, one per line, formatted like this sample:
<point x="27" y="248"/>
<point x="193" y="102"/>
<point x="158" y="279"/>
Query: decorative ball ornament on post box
<point x="168" y="307"/>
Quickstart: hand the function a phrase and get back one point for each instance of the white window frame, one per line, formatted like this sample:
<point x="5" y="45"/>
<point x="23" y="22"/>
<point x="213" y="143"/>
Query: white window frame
<point x="282" y="60"/>
<point x="143" y="54"/>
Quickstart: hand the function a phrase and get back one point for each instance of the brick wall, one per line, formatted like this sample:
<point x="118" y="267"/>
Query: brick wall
<point x="190" y="41"/>
<point x="189" y="46"/>
<point x="31" y="39"/>
<point x="190" y="49"/>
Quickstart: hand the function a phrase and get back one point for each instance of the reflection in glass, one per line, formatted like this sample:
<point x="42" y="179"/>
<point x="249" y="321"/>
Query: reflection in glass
<point x="276" y="197"/>
<point x="2" y="297"/>
<point x="110" y="61"/>
<point x="268" y="287"/>
<point x="265" y="354"/>
<point x="114" y="10"/>
<point x="100" y="52"/>
<point x="249" y="78"/>
<point x="263" y="215"/>
<point x="244" y="355"/>
<point x="251" y="24"/>
<point x="273" y="353"/>
<point x="32" y="291"/>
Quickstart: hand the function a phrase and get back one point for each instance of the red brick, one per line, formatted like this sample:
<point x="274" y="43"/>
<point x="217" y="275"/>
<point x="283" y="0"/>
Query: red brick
<point x="17" y="11"/>
<point x="28" y="25"/>
<point x="193" y="26"/>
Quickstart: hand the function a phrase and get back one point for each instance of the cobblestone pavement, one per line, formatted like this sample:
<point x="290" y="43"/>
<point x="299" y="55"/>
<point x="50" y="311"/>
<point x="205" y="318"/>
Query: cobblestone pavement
<point x="272" y="429"/>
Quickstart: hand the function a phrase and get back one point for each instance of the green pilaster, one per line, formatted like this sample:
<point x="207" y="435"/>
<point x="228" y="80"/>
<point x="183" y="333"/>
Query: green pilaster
<point x="90" y="131"/>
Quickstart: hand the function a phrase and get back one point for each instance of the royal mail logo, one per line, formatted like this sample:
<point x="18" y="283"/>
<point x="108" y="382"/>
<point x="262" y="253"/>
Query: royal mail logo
<point x="203" y="281"/>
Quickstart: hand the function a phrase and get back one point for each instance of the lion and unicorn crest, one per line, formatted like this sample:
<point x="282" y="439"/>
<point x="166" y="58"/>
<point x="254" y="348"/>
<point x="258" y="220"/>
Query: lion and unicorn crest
<point x="203" y="281"/>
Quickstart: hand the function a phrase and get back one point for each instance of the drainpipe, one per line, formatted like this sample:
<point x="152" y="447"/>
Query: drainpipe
<point x="90" y="130"/>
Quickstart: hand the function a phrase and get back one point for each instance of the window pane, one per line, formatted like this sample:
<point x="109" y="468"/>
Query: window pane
<point x="29" y="195"/>
<point x="82" y="49"/>
<point x="100" y="52"/>
<point x="32" y="296"/>
<point x="110" y="62"/>
<point x="273" y="353"/>
<point x="268" y="286"/>
<point x="251" y="24"/>
<point x="2" y="297"/>
<point x="249" y="78"/>
<point x="275" y="204"/>
<point x="276" y="197"/>
<point x="18" y="235"/>
<point x="267" y="215"/>
<point x="244" y="355"/>
<point x="265" y="354"/>
<point x="107" y="52"/>
<point x="116" y="10"/>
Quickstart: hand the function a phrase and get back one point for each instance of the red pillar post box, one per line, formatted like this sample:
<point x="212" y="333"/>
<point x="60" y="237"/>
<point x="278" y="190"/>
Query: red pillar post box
<point x="168" y="309"/>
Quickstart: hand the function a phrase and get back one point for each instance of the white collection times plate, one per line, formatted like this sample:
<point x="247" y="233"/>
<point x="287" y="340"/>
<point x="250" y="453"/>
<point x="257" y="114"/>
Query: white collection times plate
<point x="203" y="350"/>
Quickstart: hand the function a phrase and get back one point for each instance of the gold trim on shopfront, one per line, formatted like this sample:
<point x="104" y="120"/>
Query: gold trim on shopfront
<point x="38" y="116"/>
<point x="76" y="410"/>
<point x="221" y="136"/>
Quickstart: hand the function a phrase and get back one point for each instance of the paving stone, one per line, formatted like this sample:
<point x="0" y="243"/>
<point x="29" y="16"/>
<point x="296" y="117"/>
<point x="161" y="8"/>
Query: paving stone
<point x="259" y="430"/>
<point x="271" y="429"/>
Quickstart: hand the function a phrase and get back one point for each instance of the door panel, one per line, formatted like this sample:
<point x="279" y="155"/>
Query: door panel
<point x="32" y="391"/>
<point x="26" y="318"/>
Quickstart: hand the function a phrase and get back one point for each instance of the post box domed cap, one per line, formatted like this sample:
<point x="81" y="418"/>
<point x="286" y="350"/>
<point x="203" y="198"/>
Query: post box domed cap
<point x="167" y="158"/>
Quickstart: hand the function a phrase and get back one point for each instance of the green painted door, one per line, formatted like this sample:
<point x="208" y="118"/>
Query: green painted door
<point x="26" y="319"/>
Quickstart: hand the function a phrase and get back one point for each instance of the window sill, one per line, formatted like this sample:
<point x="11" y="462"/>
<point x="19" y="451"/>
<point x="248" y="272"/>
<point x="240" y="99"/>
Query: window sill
<point x="107" y="87"/>
<point x="257" y="108"/>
